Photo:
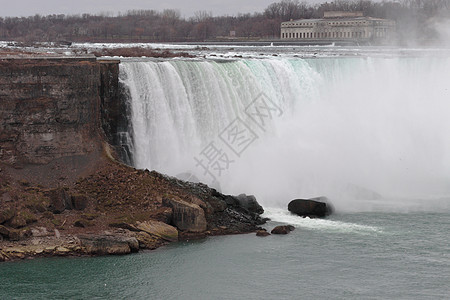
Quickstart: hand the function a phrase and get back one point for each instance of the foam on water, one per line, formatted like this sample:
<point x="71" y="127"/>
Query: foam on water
<point x="284" y="216"/>
<point x="362" y="131"/>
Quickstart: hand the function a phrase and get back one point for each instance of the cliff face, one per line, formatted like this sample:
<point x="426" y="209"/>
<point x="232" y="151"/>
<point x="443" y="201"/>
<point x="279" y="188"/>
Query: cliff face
<point x="49" y="108"/>
<point x="114" y="110"/>
<point x="57" y="117"/>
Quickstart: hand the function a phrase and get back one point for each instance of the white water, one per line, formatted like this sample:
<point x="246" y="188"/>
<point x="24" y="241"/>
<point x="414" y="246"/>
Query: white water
<point x="282" y="215"/>
<point x="353" y="129"/>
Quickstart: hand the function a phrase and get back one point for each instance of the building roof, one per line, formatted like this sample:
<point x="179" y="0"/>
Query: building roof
<point x="336" y="20"/>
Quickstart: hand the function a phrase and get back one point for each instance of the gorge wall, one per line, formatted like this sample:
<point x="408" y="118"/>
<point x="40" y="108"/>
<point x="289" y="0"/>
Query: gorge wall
<point x="53" y="107"/>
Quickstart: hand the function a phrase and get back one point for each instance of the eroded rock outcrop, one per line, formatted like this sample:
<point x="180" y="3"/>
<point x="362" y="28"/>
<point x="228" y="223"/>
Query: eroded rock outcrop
<point x="111" y="244"/>
<point x="48" y="108"/>
<point x="249" y="202"/>
<point x="159" y="229"/>
<point x="187" y="216"/>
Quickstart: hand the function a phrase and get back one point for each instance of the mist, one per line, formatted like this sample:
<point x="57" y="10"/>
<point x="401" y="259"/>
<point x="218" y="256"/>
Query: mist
<point x="368" y="133"/>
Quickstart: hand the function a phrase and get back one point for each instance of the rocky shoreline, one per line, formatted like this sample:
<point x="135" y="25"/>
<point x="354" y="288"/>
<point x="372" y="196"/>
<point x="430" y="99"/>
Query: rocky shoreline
<point x="114" y="209"/>
<point x="63" y="190"/>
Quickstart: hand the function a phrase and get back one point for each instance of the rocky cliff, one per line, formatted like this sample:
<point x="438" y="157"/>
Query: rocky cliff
<point x="62" y="191"/>
<point x="48" y="108"/>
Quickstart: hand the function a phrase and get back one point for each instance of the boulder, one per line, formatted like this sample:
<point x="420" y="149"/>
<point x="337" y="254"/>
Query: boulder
<point x="159" y="229"/>
<point x="147" y="241"/>
<point x="40" y="232"/>
<point x="284" y="229"/>
<point x="17" y="222"/>
<point x="262" y="233"/>
<point x="60" y="200"/>
<point x="79" y="202"/>
<point x="162" y="214"/>
<point x="187" y="216"/>
<point x="10" y="233"/>
<point x="314" y="208"/>
<point x="249" y="203"/>
<point x="109" y="244"/>
<point x="216" y="204"/>
<point x="6" y="215"/>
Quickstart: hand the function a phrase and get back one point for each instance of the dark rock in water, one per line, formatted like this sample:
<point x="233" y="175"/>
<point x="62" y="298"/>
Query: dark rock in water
<point x="249" y="203"/>
<point x="262" y="233"/>
<point x="284" y="229"/>
<point x="314" y="207"/>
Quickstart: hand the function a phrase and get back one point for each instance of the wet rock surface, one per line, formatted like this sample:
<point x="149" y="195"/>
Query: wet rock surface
<point x="262" y="233"/>
<point x="313" y="208"/>
<point x="282" y="229"/>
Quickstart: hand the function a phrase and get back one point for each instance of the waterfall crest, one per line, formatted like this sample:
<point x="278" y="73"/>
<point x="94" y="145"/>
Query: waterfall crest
<point x="342" y="127"/>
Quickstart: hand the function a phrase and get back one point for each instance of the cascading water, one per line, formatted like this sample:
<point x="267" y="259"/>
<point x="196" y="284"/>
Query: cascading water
<point x="353" y="129"/>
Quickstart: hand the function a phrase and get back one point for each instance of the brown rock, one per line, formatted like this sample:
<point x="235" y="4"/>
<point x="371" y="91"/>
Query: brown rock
<point x="217" y="205"/>
<point x="59" y="200"/>
<point x="3" y="256"/>
<point x="147" y="241"/>
<point x="40" y="232"/>
<point x="282" y="229"/>
<point x="187" y="216"/>
<point x="163" y="214"/>
<point x="10" y="233"/>
<point x="159" y="229"/>
<point x="4" y="231"/>
<point x="123" y="225"/>
<point x="82" y="223"/>
<point x="109" y="244"/>
<point x="62" y="251"/>
<point x="262" y="233"/>
<point x="79" y="202"/>
<point x="18" y="222"/>
<point x="6" y="197"/>
<point x="48" y="109"/>
<point x="6" y="215"/>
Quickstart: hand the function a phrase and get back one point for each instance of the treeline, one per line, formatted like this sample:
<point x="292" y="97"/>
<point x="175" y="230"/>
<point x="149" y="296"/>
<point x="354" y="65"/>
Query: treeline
<point x="416" y="19"/>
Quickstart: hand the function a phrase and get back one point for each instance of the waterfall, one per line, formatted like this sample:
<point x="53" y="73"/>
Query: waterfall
<point x="283" y="128"/>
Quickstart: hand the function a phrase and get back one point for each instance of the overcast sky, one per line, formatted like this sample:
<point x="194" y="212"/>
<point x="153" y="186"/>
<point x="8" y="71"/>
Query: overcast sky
<point x="186" y="7"/>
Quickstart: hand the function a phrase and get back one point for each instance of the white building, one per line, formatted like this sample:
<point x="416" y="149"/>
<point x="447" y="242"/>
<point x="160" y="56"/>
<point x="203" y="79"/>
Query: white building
<point x="339" y="26"/>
